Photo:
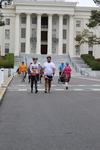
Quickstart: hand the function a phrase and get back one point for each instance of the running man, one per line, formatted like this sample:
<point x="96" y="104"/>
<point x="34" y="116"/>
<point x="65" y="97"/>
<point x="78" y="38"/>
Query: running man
<point x="49" y="71"/>
<point x="34" y="71"/>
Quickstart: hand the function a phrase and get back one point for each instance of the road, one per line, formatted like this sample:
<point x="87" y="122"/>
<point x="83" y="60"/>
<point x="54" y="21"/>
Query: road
<point x="61" y="120"/>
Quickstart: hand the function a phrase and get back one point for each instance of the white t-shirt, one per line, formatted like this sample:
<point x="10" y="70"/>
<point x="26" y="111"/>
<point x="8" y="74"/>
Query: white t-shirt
<point x="49" y="68"/>
<point x="34" y="69"/>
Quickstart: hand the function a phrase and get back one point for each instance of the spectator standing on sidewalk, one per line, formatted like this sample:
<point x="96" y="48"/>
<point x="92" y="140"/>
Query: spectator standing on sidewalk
<point x="49" y="71"/>
<point x="34" y="71"/>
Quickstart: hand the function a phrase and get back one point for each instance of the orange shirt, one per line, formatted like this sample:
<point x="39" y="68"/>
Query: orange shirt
<point x="22" y="68"/>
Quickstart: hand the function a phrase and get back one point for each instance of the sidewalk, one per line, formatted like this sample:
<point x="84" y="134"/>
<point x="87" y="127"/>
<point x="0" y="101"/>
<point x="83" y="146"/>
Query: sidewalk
<point x="4" y="86"/>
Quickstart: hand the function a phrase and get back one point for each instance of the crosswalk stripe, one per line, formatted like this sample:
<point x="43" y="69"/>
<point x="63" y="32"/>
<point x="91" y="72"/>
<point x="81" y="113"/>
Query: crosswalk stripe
<point x="22" y="90"/>
<point x="54" y="89"/>
<point x="95" y="89"/>
<point x="59" y="89"/>
<point x="77" y="89"/>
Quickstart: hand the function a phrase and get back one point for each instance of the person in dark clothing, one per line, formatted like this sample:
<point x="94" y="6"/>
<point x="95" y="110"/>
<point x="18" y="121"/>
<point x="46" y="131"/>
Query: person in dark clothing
<point x="34" y="71"/>
<point x="29" y="73"/>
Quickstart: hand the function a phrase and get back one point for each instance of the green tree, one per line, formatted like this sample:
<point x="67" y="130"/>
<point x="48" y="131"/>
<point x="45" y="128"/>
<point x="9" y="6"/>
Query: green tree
<point x="82" y="37"/>
<point x="94" y="19"/>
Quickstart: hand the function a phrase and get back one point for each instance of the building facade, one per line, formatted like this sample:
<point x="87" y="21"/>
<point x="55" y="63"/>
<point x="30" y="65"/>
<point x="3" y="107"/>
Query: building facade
<point x="45" y="27"/>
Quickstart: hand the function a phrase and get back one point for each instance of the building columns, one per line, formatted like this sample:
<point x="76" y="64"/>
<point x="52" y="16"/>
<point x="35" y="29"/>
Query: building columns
<point x="28" y="34"/>
<point x="60" y="45"/>
<point x="49" y="34"/>
<point x="71" y="36"/>
<point x="38" y="47"/>
<point x="17" y="31"/>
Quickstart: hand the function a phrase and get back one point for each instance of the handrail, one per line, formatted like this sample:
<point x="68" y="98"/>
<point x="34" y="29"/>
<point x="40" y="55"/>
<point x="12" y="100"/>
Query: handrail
<point x="78" y="69"/>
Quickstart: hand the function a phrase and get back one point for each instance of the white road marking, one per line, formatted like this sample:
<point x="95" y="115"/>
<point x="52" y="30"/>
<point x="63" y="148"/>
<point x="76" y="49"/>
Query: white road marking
<point x="77" y="89"/>
<point x="59" y="89"/>
<point x="91" y="79"/>
<point x="69" y="89"/>
<point x="96" y="85"/>
<point x="22" y="90"/>
<point x="22" y="85"/>
<point x="56" y="87"/>
<point x="95" y="89"/>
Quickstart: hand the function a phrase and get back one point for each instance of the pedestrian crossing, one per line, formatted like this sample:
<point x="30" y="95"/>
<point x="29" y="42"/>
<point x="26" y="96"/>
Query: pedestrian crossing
<point x="25" y="87"/>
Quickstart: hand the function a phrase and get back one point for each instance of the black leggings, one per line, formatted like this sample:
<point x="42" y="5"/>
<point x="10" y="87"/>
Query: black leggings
<point x="34" y="80"/>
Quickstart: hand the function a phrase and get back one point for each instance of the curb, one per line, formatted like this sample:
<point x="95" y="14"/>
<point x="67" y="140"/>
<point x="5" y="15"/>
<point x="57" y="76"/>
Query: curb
<point x="2" y="93"/>
<point x="4" y="88"/>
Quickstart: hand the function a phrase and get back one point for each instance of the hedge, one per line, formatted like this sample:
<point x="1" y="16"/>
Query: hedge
<point x="7" y="61"/>
<point x="91" y="61"/>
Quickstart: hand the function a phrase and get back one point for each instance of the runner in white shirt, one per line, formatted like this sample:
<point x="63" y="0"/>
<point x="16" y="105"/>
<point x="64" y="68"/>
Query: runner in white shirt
<point x="49" y="71"/>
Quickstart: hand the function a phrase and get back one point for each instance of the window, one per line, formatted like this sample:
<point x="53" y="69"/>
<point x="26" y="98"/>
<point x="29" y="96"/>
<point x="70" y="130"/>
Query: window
<point x="23" y="33"/>
<point x="44" y="22"/>
<point x="64" y="21"/>
<point x="23" y="19"/>
<point x="33" y="32"/>
<point x="78" y="23"/>
<point x="34" y="20"/>
<point x="77" y="49"/>
<point x="44" y="36"/>
<point x="7" y="34"/>
<point x="64" y="34"/>
<point x="22" y="47"/>
<point x="7" y="21"/>
<point x="6" y="48"/>
<point x="64" y="48"/>
<point x="90" y="50"/>
<point x="54" y="32"/>
<point x="55" y="20"/>
<point x="90" y="53"/>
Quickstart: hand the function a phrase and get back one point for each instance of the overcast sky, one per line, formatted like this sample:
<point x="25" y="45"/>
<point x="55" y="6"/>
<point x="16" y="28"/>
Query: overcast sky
<point x="86" y="3"/>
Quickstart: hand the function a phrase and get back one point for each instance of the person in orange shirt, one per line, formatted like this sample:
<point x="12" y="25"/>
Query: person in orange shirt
<point x="22" y="71"/>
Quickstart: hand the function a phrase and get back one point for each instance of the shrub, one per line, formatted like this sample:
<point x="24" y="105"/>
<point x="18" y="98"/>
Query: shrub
<point x="7" y="61"/>
<point x="91" y="61"/>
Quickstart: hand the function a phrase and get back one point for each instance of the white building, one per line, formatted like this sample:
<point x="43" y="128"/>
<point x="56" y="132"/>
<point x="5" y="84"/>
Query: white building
<point x="45" y="27"/>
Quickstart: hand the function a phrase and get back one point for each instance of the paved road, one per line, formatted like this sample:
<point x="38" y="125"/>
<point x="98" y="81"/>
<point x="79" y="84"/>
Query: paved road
<point x="61" y="120"/>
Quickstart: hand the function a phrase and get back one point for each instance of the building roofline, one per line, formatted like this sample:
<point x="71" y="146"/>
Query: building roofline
<point x="44" y="3"/>
<point x="86" y="8"/>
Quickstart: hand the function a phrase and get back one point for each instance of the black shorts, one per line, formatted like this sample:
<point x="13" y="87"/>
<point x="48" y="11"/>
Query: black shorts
<point x="49" y="78"/>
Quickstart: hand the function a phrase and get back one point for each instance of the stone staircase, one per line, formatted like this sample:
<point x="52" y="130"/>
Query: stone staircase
<point x="80" y="66"/>
<point x="57" y="59"/>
